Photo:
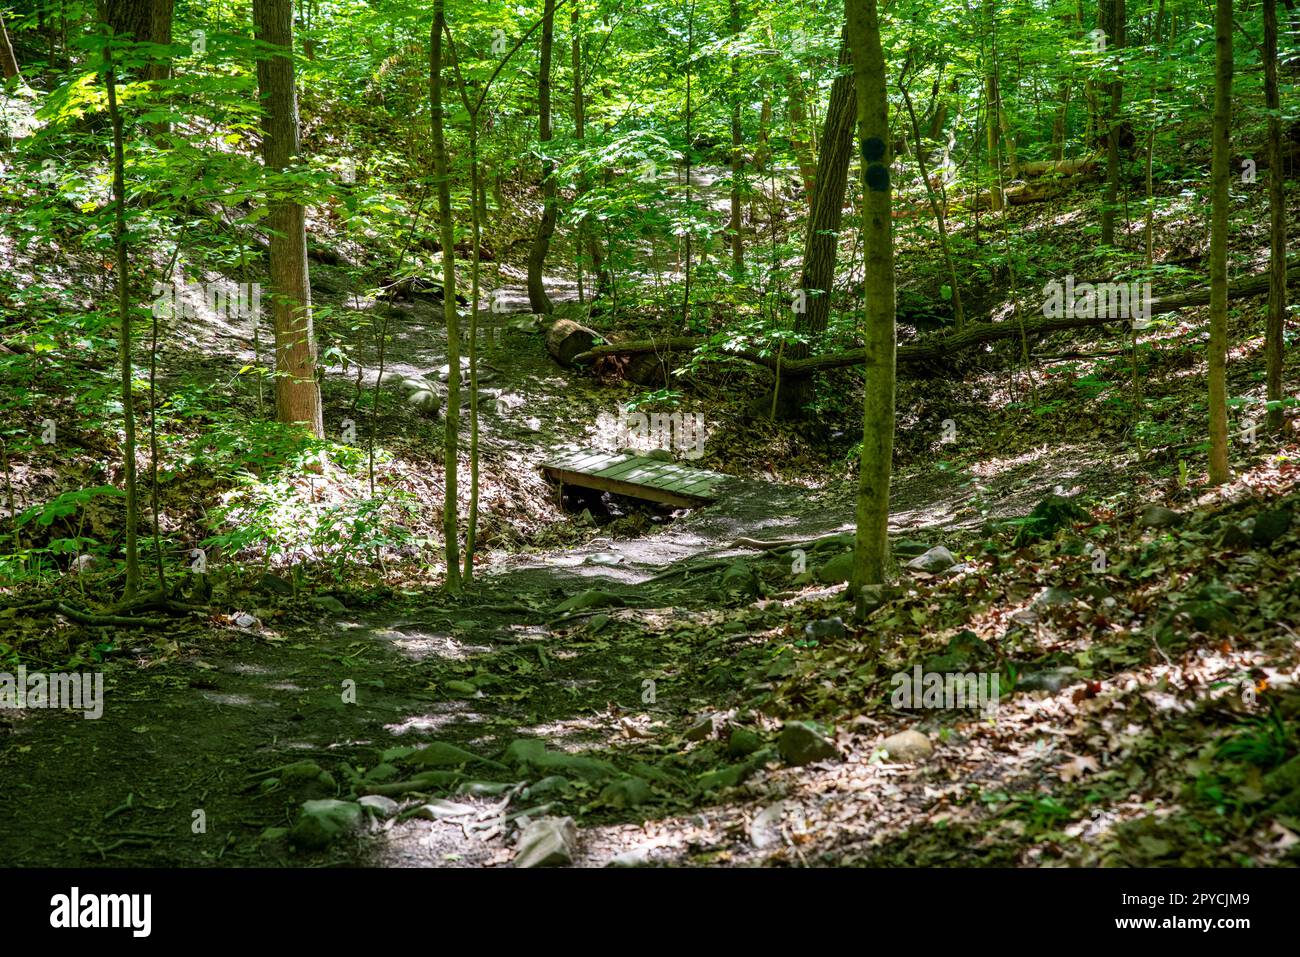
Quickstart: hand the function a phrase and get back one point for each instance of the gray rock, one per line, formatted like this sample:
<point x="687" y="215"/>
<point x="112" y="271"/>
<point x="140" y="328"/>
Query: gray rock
<point x="937" y="559"/>
<point x="765" y="828"/>
<point x="909" y="548"/>
<point x="638" y="856"/>
<point x="907" y="746"/>
<point x="425" y="401"/>
<point x="547" y="842"/>
<point x="1053" y="597"/>
<point x="1157" y="516"/>
<point x="802" y="742"/>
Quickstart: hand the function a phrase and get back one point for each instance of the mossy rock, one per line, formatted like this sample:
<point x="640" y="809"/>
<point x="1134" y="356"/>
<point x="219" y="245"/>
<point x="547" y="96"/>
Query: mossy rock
<point x="838" y="569"/>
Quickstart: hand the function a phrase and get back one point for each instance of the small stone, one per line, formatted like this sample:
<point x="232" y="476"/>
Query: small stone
<point x="638" y="856"/>
<point x="802" y="742"/>
<point x="1053" y="597"/>
<point x="907" y="746"/>
<point x="937" y="559"/>
<point x="245" y="620"/>
<point x="547" y="842"/>
<point x="1157" y="516"/>
<point x="765" y="828"/>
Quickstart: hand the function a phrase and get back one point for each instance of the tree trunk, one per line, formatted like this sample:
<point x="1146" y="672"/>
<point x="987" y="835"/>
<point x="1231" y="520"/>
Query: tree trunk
<point x="737" y="156"/>
<point x="587" y="241"/>
<point x="821" y="241"/>
<point x="297" y="394"/>
<point x="8" y="61"/>
<point x="451" y="423"/>
<point x="538" y="300"/>
<point x="1114" y="27"/>
<point x="144" y="21"/>
<point x="132" y="582"/>
<point x="939" y="216"/>
<point x="872" y="543"/>
<point x="1277" y="221"/>
<point x="798" y="115"/>
<point x="1219" y="244"/>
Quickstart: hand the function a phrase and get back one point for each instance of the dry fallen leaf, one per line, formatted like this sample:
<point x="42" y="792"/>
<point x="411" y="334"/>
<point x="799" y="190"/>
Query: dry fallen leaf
<point x="1077" y="767"/>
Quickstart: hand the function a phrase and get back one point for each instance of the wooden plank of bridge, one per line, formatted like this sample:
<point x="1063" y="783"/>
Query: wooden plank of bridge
<point x="635" y="476"/>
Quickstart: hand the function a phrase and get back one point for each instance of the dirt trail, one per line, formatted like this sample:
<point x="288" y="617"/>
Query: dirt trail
<point x="168" y="775"/>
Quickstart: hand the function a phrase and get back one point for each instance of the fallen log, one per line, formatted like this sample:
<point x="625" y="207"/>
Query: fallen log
<point x="566" y="340"/>
<point x="1039" y="191"/>
<point x="1062" y="167"/>
<point x="935" y="347"/>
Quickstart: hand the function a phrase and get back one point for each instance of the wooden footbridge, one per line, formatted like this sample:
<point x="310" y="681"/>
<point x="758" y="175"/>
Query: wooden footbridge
<point x="635" y="476"/>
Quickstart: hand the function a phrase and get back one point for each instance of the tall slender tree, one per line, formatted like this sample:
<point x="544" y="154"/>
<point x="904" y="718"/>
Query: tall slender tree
<point x="1113" y="24"/>
<point x="1218" y="354"/>
<point x="122" y="269"/>
<point x="538" y="300"/>
<point x="1277" y="293"/>
<point x="737" y="153"/>
<point x="297" y="393"/>
<point x="8" y="60"/>
<point x="872" y="544"/>
<point x="451" y="421"/>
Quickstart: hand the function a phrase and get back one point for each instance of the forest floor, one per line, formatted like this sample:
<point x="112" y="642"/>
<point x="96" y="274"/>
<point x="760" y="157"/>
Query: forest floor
<point x="679" y="710"/>
<point x="699" y="701"/>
